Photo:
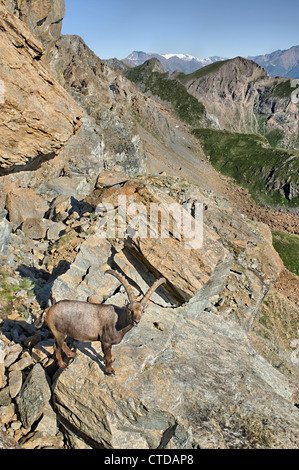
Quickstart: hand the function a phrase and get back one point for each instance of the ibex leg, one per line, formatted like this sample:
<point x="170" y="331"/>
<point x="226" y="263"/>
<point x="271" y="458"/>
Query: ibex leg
<point x="58" y="345"/>
<point x="106" y="348"/>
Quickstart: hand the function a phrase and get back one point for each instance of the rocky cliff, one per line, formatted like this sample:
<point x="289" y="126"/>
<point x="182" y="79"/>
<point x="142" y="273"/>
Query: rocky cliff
<point x="210" y="365"/>
<point x="37" y="115"/>
<point x="243" y="98"/>
<point x="44" y="19"/>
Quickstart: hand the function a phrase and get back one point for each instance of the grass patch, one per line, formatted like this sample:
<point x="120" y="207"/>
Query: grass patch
<point x="287" y="247"/>
<point x="248" y="158"/>
<point x="211" y="68"/>
<point x="9" y="287"/>
<point x="170" y="91"/>
<point x="281" y="90"/>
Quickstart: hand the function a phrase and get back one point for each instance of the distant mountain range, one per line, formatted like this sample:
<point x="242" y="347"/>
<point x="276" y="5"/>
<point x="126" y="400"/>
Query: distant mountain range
<point x="279" y="63"/>
<point x="181" y="62"/>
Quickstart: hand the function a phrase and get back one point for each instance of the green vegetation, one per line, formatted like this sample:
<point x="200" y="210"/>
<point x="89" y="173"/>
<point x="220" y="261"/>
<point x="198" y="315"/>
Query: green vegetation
<point x="281" y="90"/>
<point x="249" y="159"/>
<point x="202" y="72"/>
<point x="288" y="248"/>
<point x="274" y="137"/>
<point x="8" y="290"/>
<point x="171" y="91"/>
<point x="255" y="161"/>
<point x="9" y="287"/>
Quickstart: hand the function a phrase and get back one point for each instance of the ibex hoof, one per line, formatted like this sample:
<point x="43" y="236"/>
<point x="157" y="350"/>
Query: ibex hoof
<point x="71" y="355"/>
<point x="110" y="371"/>
<point x="63" y="365"/>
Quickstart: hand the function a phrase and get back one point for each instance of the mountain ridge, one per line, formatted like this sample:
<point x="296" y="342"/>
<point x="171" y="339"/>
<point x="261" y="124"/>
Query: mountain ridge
<point x="283" y="63"/>
<point x="185" y="63"/>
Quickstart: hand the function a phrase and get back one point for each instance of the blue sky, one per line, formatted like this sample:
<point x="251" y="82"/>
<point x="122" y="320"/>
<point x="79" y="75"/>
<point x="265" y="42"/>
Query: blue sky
<point x="203" y="28"/>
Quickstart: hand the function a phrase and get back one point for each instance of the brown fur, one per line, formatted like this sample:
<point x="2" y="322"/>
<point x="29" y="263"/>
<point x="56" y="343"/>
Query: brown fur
<point x="85" y="321"/>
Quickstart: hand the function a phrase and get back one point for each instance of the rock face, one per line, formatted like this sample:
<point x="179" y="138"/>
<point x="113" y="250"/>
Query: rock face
<point x="242" y="98"/>
<point x="37" y="115"/>
<point x="44" y="18"/>
<point x="166" y="390"/>
<point x="280" y="63"/>
<point x="34" y="395"/>
<point x="5" y="232"/>
<point x="107" y="98"/>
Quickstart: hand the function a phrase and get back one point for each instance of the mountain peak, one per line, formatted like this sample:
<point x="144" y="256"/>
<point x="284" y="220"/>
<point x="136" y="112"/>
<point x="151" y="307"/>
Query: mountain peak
<point x="185" y="63"/>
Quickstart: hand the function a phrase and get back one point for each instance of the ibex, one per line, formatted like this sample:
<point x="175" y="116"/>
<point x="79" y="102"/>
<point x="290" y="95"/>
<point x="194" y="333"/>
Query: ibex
<point x="84" y="321"/>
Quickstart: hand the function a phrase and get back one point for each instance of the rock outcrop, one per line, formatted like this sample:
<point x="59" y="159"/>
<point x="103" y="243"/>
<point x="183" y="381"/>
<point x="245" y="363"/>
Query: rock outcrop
<point x="44" y="19"/>
<point x="243" y="98"/>
<point x="106" y="98"/>
<point x="182" y="383"/>
<point x="37" y="115"/>
<point x="185" y="379"/>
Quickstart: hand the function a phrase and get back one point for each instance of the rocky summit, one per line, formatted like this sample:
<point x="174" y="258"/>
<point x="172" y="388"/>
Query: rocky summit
<point x="98" y="175"/>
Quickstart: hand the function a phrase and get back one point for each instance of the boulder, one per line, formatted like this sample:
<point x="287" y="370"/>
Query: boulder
<point x="37" y="115"/>
<point x="35" y="229"/>
<point x="195" y="383"/>
<point x="5" y="235"/>
<point x="55" y="231"/>
<point x="25" y="206"/>
<point x="86" y="277"/>
<point x="34" y="396"/>
<point x="8" y="442"/>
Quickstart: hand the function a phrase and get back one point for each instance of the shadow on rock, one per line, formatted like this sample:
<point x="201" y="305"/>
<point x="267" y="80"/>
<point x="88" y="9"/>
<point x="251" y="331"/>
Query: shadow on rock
<point x="42" y="280"/>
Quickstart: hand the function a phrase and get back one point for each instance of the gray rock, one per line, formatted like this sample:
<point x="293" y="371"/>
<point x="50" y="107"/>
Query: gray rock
<point x="12" y="355"/>
<point x="89" y="267"/>
<point x="8" y="442"/>
<point x="15" y="382"/>
<point x="5" y="235"/>
<point x="195" y="384"/>
<point x="55" y="231"/>
<point x="48" y="423"/>
<point x="34" y="396"/>
<point x="5" y="399"/>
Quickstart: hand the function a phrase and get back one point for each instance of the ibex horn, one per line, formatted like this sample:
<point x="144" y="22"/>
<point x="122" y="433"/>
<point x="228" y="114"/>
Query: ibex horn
<point x="124" y="282"/>
<point x="152" y="290"/>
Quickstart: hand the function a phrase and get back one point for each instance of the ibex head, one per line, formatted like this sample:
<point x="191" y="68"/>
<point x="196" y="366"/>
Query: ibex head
<point x="136" y="308"/>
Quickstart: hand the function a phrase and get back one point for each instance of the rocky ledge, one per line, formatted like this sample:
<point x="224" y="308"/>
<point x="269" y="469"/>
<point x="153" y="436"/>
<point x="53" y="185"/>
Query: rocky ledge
<point x="188" y="376"/>
<point x="37" y="115"/>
